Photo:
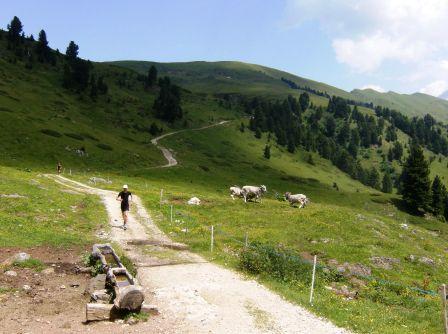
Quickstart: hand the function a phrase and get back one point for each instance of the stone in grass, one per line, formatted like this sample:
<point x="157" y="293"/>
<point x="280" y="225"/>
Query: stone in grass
<point x="10" y="273"/>
<point x="16" y="258"/>
<point x="384" y="262"/>
<point x="426" y="260"/>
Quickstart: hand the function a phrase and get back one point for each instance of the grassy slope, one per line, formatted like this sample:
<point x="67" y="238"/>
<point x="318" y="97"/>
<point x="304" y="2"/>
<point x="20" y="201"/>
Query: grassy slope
<point x="45" y="215"/>
<point x="238" y="77"/>
<point x="359" y="225"/>
<point x="359" y="221"/>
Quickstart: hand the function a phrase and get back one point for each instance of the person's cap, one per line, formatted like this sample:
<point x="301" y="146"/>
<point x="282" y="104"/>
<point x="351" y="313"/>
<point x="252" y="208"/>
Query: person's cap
<point x="125" y="186"/>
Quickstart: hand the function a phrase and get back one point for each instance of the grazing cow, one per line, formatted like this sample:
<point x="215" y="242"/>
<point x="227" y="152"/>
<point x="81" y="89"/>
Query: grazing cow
<point x="252" y="191"/>
<point x="236" y="191"/>
<point x="297" y="198"/>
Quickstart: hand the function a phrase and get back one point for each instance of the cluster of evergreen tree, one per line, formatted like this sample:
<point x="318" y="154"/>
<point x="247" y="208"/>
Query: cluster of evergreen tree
<point x="167" y="105"/>
<point x="293" y="85"/>
<point x="326" y="131"/>
<point x="418" y="192"/>
<point x="425" y="131"/>
<point x="76" y="72"/>
<point x="26" y="48"/>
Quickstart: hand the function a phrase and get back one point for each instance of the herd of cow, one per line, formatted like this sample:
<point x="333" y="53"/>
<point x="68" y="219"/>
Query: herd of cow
<point x="253" y="192"/>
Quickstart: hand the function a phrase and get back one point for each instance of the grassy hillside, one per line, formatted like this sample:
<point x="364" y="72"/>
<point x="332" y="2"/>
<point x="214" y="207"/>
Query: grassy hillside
<point x="416" y="104"/>
<point x="42" y="122"/>
<point x="351" y="226"/>
<point x="238" y="77"/>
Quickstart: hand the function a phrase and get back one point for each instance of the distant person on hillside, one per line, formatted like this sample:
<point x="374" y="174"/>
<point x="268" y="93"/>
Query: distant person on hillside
<point x="123" y="196"/>
<point x="59" y="167"/>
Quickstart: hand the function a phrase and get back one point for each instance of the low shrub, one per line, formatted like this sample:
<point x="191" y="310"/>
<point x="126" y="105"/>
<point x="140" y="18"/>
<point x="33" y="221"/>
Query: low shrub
<point x="104" y="147"/>
<point x="89" y="136"/>
<point x="51" y="133"/>
<point x="74" y="136"/>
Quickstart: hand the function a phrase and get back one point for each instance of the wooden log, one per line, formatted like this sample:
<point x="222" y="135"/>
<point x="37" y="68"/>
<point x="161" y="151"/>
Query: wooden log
<point x="129" y="297"/>
<point x="101" y="296"/>
<point x="97" y="312"/>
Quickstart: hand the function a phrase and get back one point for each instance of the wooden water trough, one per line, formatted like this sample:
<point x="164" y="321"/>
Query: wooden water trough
<point x="119" y="286"/>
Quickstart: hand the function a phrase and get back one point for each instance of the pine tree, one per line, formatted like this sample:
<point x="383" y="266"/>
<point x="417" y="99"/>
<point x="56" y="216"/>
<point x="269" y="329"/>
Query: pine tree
<point x="257" y="133"/>
<point x="72" y="51"/>
<point x="330" y="126"/>
<point x="153" y="129"/>
<point x="386" y="186"/>
<point x="15" y="31"/>
<point x="151" y="79"/>
<point x="42" y="48"/>
<point x="397" y="150"/>
<point x="242" y="127"/>
<point x="167" y="105"/>
<point x="304" y="101"/>
<point x="374" y="178"/>
<point x="267" y="152"/>
<point x="438" y="195"/>
<point x="415" y="180"/>
<point x="390" y="155"/>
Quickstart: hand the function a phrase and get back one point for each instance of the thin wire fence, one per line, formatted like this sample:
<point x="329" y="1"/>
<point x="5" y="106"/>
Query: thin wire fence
<point x="192" y="229"/>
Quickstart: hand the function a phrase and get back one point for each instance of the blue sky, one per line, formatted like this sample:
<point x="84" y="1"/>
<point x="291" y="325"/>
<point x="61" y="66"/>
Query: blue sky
<point x="386" y="44"/>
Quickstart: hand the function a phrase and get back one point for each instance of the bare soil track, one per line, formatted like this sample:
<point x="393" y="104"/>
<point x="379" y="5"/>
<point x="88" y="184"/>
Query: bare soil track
<point x="193" y="295"/>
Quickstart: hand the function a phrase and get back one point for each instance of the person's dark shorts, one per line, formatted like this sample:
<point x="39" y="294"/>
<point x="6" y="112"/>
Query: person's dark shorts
<point x="124" y="207"/>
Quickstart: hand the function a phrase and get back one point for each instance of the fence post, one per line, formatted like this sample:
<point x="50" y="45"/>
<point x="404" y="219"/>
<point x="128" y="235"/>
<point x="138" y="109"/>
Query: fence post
<point x="171" y="213"/>
<point x="246" y="240"/>
<point x="212" y="239"/>
<point x="70" y="171"/>
<point x="444" y="313"/>
<point x="161" y="197"/>
<point x="312" y="279"/>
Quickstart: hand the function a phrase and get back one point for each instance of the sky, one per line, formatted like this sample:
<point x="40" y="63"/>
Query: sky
<point x="397" y="45"/>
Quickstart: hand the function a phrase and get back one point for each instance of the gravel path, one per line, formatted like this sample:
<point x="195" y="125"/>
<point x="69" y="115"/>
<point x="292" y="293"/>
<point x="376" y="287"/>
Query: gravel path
<point x="167" y="153"/>
<point x="193" y="295"/>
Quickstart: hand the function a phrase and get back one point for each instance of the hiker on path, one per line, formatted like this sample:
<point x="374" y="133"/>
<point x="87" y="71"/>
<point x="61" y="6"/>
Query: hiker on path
<point x="59" y="167"/>
<point x="123" y="196"/>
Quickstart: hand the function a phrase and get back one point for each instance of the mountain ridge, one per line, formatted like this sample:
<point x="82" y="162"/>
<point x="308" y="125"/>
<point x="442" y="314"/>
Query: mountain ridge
<point x="240" y="77"/>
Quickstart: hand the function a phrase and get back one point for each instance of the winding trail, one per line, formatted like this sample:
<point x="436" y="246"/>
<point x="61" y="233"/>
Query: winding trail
<point x="167" y="153"/>
<point x="192" y="294"/>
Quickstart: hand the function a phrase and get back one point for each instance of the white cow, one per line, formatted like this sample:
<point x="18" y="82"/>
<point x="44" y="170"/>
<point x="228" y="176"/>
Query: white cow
<point x="235" y="191"/>
<point x="252" y="191"/>
<point x="297" y="198"/>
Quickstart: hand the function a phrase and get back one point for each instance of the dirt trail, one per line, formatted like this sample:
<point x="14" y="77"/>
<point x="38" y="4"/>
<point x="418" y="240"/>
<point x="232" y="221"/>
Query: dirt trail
<point x="193" y="295"/>
<point x="167" y="153"/>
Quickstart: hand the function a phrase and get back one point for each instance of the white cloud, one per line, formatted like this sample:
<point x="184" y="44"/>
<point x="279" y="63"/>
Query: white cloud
<point x="367" y="34"/>
<point x="374" y="87"/>
<point x="435" y="88"/>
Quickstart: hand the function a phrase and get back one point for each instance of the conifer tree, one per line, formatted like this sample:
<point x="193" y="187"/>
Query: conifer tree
<point x="151" y="79"/>
<point x="42" y="49"/>
<point x="415" y="180"/>
<point x="374" y="178"/>
<point x="267" y="152"/>
<point x="304" y="101"/>
<point x="15" y="31"/>
<point x="72" y="51"/>
<point x="438" y="195"/>
<point x="386" y="186"/>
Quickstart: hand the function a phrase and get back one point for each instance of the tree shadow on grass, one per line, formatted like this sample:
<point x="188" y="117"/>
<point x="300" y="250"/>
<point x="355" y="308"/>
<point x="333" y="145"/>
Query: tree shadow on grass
<point x="401" y="205"/>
